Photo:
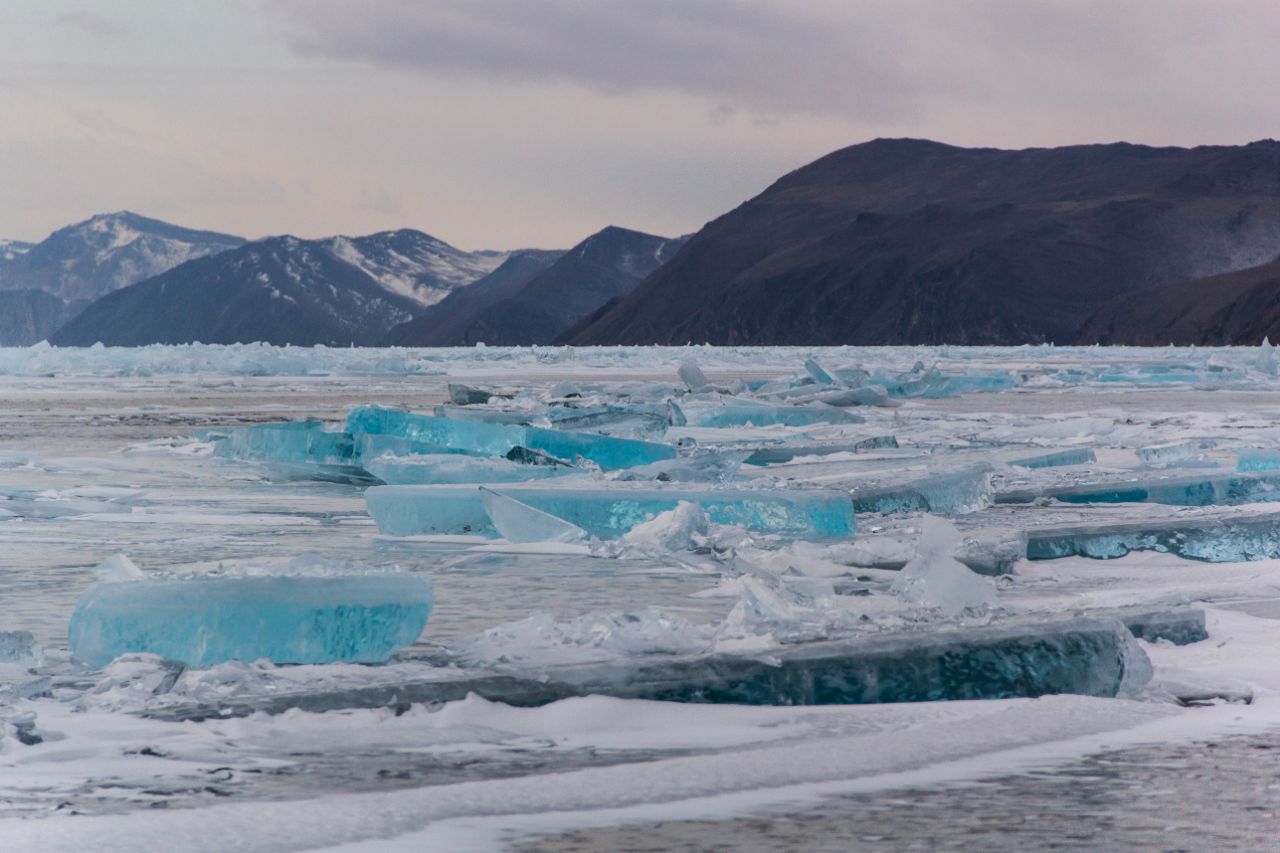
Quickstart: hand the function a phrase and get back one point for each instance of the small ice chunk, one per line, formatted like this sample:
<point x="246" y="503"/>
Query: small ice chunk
<point x="285" y="619"/>
<point x="674" y="530"/>
<point x="692" y="376"/>
<point x="934" y="578"/>
<point x="817" y="373"/>
<point x="1174" y="451"/>
<point x="118" y="567"/>
<point x="21" y="648"/>
<point x="520" y="523"/>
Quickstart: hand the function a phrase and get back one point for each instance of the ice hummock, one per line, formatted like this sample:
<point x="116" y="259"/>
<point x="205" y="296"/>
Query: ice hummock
<point x="285" y="618"/>
<point x="1212" y="539"/>
<point x="936" y="579"/>
<point x="608" y="511"/>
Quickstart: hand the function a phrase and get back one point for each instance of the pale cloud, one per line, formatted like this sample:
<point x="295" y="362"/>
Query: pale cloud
<point x="90" y="22"/>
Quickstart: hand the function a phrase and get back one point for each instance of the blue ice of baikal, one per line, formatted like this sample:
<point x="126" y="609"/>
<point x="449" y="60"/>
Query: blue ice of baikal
<point x="300" y="442"/>
<point x="608" y="512"/>
<point x="485" y="439"/>
<point x="442" y="468"/>
<point x="734" y="412"/>
<point x="202" y="621"/>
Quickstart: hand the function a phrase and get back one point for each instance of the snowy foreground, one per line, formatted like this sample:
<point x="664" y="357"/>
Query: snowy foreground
<point x="652" y="517"/>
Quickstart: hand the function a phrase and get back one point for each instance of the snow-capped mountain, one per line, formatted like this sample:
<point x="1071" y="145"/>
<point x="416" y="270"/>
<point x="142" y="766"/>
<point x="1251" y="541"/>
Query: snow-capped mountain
<point x="548" y="300"/>
<point x="105" y="253"/>
<point x="335" y="291"/>
<point x="10" y="249"/>
<point x="414" y="264"/>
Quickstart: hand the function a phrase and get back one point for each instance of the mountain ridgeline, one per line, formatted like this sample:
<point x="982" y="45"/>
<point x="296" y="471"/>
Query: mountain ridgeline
<point x="283" y="290"/>
<point x="914" y="242"/>
<point x="536" y="296"/>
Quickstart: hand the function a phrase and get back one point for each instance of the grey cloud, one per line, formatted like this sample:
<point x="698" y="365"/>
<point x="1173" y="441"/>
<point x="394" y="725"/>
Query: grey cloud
<point x="90" y="22"/>
<point x="764" y="56"/>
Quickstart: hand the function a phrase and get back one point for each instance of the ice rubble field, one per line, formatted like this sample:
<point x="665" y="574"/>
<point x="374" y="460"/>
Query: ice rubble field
<point x="1041" y="535"/>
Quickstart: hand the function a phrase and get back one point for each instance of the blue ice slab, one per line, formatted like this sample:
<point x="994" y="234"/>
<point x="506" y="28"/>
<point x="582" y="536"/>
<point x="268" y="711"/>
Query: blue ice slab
<point x="298" y="442"/>
<point x="1173" y="491"/>
<point x="610" y="511"/>
<point x="446" y="468"/>
<point x="1057" y="459"/>
<point x="768" y="454"/>
<point x="1174" y="451"/>
<point x="944" y="493"/>
<point x="734" y="412"/>
<point x="1092" y="657"/>
<point x="286" y="619"/>
<point x="484" y="439"/>
<point x="369" y="447"/>
<point x="1258" y="459"/>
<point x="1233" y="539"/>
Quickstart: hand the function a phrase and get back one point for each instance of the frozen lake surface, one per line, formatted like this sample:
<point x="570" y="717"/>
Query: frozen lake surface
<point x="97" y="458"/>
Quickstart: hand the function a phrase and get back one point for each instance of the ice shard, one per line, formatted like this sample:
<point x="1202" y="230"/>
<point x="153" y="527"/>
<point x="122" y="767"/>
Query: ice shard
<point x="1093" y="657"/>
<point x="301" y="450"/>
<point x="692" y="376"/>
<point x="787" y="451"/>
<point x="283" y="618"/>
<point x="1212" y="539"/>
<point x="610" y="511"/>
<point x="818" y="373"/>
<point x="945" y="493"/>
<point x="1174" y="451"/>
<point x="485" y="439"/>
<point x="1057" y="459"/>
<point x="1257" y="459"/>
<point x="455" y="468"/>
<point x="520" y="523"/>
<point x="936" y="579"/>
<point x="1174" y="491"/>
<point x="735" y="411"/>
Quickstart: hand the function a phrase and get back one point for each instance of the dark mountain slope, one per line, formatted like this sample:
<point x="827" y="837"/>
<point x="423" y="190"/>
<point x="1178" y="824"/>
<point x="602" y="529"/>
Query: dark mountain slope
<point x="1234" y="308"/>
<point x="446" y="322"/>
<point x="910" y="241"/>
<point x="280" y="290"/>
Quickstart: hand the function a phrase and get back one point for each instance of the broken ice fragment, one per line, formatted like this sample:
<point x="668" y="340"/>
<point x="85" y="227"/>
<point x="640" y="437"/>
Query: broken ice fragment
<point x="692" y="377"/>
<point x="674" y="530"/>
<point x="934" y="578"/>
<point x="1258" y="459"/>
<point x="785" y="452"/>
<point x="818" y="373"/>
<point x="20" y="648"/>
<point x="520" y="523"/>
<point x="1174" y="491"/>
<point x="609" y="511"/>
<point x="285" y="619"/>
<point x="1213" y="539"/>
<point x="1058" y="458"/>
<point x="945" y="493"/>
<point x="1174" y="451"/>
<point x="118" y="567"/>
<point x="456" y="468"/>
<point x="485" y="439"/>
<point x="733" y="411"/>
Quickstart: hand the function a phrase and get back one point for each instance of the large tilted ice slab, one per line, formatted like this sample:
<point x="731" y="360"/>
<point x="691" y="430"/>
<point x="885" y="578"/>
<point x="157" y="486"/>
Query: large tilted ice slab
<point x="485" y="439"/>
<point x="1175" y="491"/>
<point x="286" y="619"/>
<point x="295" y="450"/>
<point x="610" y="511"/>
<point x="1214" y="539"/>
<point x="1093" y="657"/>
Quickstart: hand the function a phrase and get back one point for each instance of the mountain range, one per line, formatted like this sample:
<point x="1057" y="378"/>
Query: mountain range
<point x="893" y="241"/>
<point x="536" y="296"/>
<point x="904" y="241"/>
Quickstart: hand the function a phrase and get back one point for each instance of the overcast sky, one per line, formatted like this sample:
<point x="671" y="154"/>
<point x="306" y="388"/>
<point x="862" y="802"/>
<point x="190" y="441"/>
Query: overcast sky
<point x="505" y="123"/>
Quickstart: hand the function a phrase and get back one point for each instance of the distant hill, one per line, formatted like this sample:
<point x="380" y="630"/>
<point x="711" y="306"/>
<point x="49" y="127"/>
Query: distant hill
<point x="337" y="291"/>
<point x="1235" y="308"/>
<point x="606" y="265"/>
<point x="448" y="322"/>
<point x="30" y="316"/>
<point x="90" y="259"/>
<point x="905" y="241"/>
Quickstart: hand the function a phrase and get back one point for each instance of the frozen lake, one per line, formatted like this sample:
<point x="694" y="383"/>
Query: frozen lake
<point x="97" y="458"/>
